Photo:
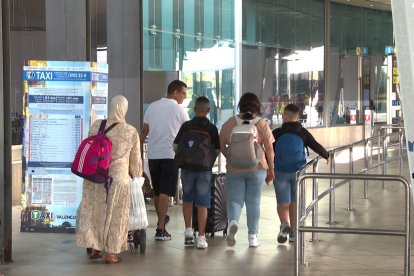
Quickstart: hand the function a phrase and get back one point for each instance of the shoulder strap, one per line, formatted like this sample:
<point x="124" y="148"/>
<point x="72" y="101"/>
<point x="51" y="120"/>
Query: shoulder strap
<point x="102" y="127"/>
<point x="239" y="121"/>
<point x="109" y="128"/>
<point x="255" y="120"/>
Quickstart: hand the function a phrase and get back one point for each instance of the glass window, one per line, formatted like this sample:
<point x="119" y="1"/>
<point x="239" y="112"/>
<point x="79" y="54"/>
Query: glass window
<point x="283" y="56"/>
<point x="195" y="39"/>
<point x="358" y="40"/>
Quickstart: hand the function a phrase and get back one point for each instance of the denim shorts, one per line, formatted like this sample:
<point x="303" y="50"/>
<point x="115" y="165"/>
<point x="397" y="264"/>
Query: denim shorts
<point x="285" y="187"/>
<point x="197" y="187"/>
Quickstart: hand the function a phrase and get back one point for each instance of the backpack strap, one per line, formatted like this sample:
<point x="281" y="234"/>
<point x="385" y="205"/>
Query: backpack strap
<point x="102" y="127"/>
<point x="109" y="128"/>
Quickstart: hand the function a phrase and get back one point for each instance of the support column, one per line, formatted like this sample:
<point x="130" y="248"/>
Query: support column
<point x="238" y="58"/>
<point x="403" y="21"/>
<point x="327" y="65"/>
<point x="66" y="26"/>
<point x="5" y="137"/>
<point x="124" y="29"/>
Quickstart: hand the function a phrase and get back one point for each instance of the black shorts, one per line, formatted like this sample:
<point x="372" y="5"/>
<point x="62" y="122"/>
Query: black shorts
<point x="164" y="176"/>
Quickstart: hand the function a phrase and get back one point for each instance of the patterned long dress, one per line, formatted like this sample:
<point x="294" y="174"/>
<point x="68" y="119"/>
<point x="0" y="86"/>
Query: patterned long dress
<point x="104" y="225"/>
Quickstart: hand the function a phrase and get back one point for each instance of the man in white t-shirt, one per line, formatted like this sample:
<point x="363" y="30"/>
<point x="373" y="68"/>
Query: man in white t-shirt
<point x="162" y="120"/>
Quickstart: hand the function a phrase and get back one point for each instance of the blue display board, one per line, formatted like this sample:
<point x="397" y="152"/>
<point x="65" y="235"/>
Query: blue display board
<point x="61" y="100"/>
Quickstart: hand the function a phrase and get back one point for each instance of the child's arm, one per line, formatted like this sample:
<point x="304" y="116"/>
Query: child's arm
<point x="314" y="145"/>
<point x="216" y="140"/>
<point x="178" y="137"/>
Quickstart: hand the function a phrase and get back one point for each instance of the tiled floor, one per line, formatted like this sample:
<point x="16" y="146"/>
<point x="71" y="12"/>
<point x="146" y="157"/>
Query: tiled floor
<point x="334" y="254"/>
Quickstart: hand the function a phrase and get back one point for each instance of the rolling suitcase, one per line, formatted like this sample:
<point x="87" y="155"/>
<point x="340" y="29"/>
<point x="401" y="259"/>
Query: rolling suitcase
<point x="217" y="213"/>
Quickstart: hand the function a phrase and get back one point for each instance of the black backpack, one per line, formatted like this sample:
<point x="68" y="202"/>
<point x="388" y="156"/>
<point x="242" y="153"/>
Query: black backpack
<point x="195" y="151"/>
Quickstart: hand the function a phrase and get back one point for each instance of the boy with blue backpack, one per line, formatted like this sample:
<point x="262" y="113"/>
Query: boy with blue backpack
<point x="290" y="142"/>
<point x="196" y="147"/>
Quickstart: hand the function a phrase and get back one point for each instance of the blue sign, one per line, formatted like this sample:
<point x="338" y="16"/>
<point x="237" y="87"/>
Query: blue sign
<point x="99" y="77"/>
<point x="364" y="51"/>
<point x="389" y="50"/>
<point x="47" y="75"/>
<point x="395" y="102"/>
<point x="410" y="146"/>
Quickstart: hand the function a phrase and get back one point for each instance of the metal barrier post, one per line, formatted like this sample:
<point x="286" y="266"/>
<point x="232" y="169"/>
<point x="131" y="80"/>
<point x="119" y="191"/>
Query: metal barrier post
<point x="384" y="152"/>
<point x="332" y="193"/>
<point x="314" y="197"/>
<point x="400" y="140"/>
<point x="379" y="146"/>
<point x="298" y="243"/>
<point x="366" y="164"/>
<point x="351" y="171"/>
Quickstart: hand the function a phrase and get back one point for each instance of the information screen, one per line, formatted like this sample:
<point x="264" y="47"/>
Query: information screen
<point x="62" y="99"/>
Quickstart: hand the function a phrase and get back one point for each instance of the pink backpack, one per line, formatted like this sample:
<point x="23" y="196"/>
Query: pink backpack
<point x="94" y="156"/>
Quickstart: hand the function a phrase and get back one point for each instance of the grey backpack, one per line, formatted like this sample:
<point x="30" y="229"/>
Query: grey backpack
<point x="244" y="150"/>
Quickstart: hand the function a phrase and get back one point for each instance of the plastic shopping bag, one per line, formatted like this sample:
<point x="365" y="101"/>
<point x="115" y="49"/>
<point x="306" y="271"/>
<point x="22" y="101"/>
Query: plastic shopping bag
<point x="138" y="212"/>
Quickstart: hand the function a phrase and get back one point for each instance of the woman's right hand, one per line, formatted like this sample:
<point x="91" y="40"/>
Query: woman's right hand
<point x="270" y="176"/>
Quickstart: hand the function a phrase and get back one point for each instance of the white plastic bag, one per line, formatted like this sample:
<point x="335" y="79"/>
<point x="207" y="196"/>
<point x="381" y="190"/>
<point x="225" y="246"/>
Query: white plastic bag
<point x="138" y="212"/>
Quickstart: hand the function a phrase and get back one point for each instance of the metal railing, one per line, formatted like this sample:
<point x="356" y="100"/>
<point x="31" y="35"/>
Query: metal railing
<point x="383" y="147"/>
<point x="301" y="215"/>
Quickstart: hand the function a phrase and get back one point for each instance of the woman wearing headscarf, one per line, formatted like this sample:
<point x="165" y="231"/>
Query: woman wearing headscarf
<point x="103" y="222"/>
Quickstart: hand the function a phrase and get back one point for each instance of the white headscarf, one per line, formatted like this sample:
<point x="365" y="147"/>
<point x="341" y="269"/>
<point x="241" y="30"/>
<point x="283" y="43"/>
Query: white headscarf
<point x="118" y="109"/>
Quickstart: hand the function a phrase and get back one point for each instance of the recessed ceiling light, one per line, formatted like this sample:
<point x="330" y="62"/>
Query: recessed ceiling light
<point x="371" y="5"/>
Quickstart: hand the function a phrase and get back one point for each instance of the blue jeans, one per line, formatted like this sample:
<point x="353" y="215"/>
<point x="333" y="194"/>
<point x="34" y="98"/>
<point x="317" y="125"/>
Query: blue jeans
<point x="197" y="187"/>
<point x="245" y="187"/>
<point x="285" y="187"/>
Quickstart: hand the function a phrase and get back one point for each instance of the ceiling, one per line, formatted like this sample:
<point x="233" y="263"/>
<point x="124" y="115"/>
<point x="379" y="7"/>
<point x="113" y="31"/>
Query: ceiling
<point x="30" y="15"/>
<point x="372" y="4"/>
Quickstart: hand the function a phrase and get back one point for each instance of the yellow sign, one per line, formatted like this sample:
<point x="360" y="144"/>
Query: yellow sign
<point x="358" y="51"/>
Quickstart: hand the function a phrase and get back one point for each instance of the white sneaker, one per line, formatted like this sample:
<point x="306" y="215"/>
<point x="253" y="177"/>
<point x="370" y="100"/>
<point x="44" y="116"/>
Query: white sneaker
<point x="253" y="240"/>
<point x="231" y="238"/>
<point x="189" y="236"/>
<point x="201" y="242"/>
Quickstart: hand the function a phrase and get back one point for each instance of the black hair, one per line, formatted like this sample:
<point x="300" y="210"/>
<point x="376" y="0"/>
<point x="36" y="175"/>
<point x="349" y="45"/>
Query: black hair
<point x="293" y="108"/>
<point x="249" y="104"/>
<point x="175" y="85"/>
<point x="202" y="100"/>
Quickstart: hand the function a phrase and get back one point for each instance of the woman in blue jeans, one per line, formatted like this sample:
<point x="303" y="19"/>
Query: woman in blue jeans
<point x="244" y="185"/>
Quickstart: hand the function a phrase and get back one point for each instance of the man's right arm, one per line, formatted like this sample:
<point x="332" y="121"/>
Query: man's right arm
<point x="144" y="133"/>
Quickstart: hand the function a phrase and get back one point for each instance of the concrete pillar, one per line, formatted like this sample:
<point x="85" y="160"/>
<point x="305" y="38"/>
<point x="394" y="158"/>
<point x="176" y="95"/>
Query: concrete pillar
<point x="403" y="21"/>
<point x="66" y="26"/>
<point x="5" y="137"/>
<point x="124" y="28"/>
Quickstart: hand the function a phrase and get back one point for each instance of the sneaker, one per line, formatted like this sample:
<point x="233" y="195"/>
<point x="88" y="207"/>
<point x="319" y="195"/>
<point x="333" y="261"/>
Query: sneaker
<point x="188" y="236"/>
<point x="292" y="237"/>
<point x="231" y="238"/>
<point x="162" y="235"/>
<point x="201" y="242"/>
<point x="253" y="240"/>
<point x="284" y="232"/>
